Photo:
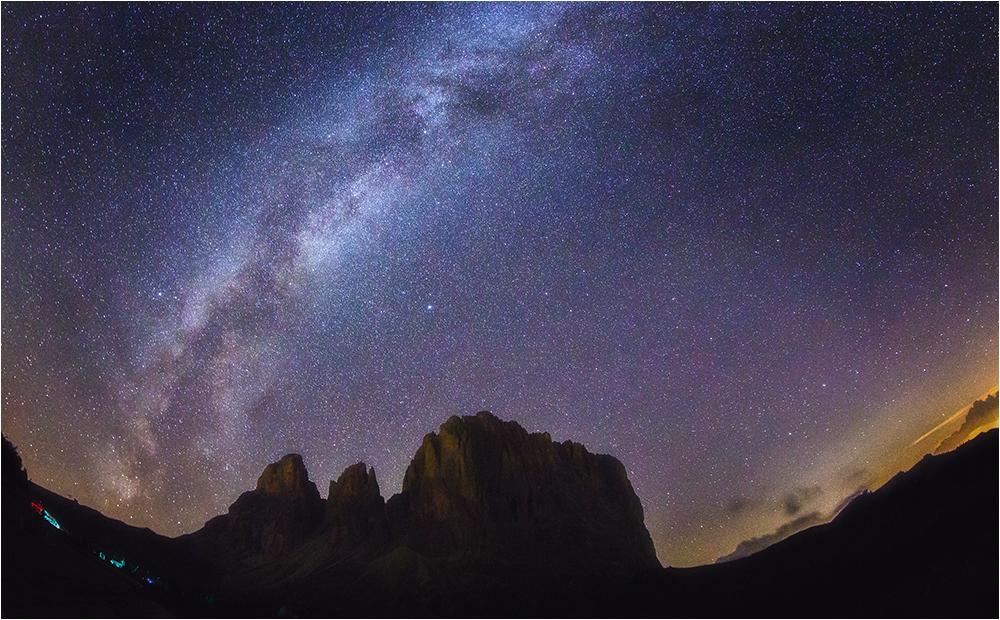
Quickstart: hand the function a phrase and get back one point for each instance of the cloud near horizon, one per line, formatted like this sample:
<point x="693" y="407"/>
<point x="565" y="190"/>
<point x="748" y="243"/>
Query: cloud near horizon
<point x="791" y="504"/>
<point x="982" y="415"/>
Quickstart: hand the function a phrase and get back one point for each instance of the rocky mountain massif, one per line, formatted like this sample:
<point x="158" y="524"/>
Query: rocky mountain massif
<point x="483" y="502"/>
<point x="493" y="520"/>
<point x="480" y="489"/>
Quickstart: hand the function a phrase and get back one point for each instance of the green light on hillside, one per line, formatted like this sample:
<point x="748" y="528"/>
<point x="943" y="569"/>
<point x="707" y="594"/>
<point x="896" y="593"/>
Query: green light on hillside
<point x="49" y="518"/>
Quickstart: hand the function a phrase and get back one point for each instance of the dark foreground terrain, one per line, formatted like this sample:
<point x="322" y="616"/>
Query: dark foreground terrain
<point x="494" y="521"/>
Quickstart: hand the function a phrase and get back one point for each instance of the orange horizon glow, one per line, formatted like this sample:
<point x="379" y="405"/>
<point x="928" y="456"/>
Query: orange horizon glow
<point x="963" y="411"/>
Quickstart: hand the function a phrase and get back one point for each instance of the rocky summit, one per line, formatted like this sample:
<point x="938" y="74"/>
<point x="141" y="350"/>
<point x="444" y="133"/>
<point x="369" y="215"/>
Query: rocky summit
<point x="288" y="475"/>
<point x="272" y="520"/>
<point x="355" y="511"/>
<point x="483" y="487"/>
<point x="480" y="490"/>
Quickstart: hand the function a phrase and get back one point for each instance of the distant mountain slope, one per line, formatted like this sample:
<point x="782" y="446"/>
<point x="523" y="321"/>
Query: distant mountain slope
<point x="924" y="545"/>
<point x="977" y="418"/>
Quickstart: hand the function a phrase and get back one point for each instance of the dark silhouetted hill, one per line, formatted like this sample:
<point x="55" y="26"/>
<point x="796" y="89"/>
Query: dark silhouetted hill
<point x="57" y="558"/>
<point x="923" y="545"/>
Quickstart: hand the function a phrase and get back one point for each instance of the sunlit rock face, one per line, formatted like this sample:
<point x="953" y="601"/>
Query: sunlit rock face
<point x="288" y="475"/>
<point x="482" y="487"/>
<point x="283" y="511"/>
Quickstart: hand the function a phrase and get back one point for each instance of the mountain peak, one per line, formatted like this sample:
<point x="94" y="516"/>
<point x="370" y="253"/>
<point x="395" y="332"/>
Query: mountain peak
<point x="288" y="475"/>
<point x="276" y="517"/>
<point x="482" y="486"/>
<point x="481" y="489"/>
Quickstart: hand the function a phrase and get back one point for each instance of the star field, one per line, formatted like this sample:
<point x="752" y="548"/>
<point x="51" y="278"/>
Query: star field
<point x="751" y="251"/>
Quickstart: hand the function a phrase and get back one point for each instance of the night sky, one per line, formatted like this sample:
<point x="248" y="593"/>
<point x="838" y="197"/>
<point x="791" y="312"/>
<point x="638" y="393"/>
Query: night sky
<point x="749" y="250"/>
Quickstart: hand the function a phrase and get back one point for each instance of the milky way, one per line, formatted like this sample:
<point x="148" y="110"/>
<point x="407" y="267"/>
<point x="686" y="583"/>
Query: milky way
<point x="750" y="251"/>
